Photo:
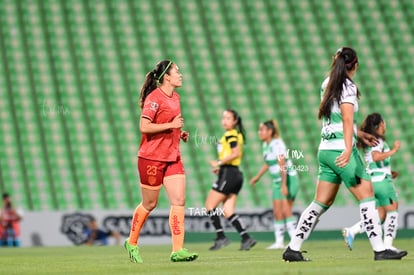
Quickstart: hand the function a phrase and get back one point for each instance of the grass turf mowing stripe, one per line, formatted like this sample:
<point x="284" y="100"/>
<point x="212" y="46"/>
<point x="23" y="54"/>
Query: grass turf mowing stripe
<point x="328" y="257"/>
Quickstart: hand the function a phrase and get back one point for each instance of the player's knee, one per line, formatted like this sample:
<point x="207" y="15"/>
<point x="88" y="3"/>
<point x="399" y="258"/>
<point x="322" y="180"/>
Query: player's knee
<point x="150" y="204"/>
<point x="209" y="206"/>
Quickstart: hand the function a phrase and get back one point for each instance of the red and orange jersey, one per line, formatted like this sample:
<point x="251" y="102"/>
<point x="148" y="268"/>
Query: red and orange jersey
<point x="160" y="108"/>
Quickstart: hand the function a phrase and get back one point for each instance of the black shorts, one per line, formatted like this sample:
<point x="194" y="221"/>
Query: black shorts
<point x="230" y="180"/>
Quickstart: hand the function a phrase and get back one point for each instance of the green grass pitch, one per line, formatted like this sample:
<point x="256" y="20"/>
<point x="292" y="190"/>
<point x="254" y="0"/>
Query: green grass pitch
<point x="328" y="257"/>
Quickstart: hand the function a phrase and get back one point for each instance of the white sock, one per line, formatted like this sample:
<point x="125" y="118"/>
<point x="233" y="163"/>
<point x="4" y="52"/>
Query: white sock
<point x="306" y="224"/>
<point x="371" y="222"/>
<point x="291" y="225"/>
<point x="357" y="228"/>
<point x="279" y="232"/>
<point x="390" y="228"/>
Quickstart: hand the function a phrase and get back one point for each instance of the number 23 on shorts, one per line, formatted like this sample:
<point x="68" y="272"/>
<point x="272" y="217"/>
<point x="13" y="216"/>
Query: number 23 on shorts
<point x="151" y="170"/>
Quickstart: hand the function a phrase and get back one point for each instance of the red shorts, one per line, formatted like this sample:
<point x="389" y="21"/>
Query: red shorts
<point x="152" y="173"/>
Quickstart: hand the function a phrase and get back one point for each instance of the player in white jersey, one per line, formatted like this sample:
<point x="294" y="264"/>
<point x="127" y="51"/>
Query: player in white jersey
<point x="285" y="182"/>
<point x="339" y="160"/>
<point x="379" y="167"/>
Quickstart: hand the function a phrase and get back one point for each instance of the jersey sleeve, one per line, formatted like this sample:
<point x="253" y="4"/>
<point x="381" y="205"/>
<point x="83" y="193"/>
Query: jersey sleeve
<point x="349" y="93"/>
<point x="150" y="108"/>
<point x="279" y="148"/>
<point x="231" y="138"/>
<point x="379" y="147"/>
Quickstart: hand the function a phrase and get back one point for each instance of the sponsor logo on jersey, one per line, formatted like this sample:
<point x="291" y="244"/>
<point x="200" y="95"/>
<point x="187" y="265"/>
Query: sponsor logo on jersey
<point x="154" y="106"/>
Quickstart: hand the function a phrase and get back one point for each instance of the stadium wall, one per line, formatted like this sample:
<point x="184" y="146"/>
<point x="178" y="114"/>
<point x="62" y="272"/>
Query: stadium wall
<point x="64" y="228"/>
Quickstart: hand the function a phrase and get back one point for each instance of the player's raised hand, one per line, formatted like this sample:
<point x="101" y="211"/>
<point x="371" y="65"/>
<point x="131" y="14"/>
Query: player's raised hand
<point x="397" y="145"/>
<point x="368" y="139"/>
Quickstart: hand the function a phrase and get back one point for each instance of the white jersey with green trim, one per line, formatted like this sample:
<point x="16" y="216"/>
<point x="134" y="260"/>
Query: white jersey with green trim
<point x="378" y="169"/>
<point x="272" y="152"/>
<point x="332" y="134"/>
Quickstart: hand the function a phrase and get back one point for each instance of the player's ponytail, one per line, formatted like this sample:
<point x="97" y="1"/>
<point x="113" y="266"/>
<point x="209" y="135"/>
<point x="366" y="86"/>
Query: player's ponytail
<point x="370" y="125"/>
<point x="241" y="129"/>
<point x="153" y="79"/>
<point x="239" y="124"/>
<point x="344" y="61"/>
<point x="273" y="126"/>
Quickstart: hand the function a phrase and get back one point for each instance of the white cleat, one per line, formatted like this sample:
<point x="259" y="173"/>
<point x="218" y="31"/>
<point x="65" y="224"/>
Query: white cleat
<point x="348" y="237"/>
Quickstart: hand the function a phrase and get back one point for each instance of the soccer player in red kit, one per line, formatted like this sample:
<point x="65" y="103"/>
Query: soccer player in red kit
<point x="159" y="160"/>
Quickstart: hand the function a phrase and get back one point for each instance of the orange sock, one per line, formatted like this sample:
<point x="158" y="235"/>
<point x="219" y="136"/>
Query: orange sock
<point x="138" y="220"/>
<point x="177" y="227"/>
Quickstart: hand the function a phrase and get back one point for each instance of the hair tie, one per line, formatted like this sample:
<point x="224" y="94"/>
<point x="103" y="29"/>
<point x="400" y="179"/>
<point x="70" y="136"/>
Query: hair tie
<point x="154" y="73"/>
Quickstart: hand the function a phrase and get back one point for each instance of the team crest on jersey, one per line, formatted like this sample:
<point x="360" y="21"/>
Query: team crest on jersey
<point x="154" y="106"/>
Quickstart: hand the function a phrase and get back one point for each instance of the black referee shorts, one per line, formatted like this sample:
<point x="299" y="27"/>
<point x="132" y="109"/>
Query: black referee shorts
<point x="230" y="180"/>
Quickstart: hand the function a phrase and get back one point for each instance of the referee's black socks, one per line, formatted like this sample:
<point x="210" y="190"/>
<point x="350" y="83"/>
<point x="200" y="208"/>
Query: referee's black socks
<point x="235" y="221"/>
<point x="215" y="220"/>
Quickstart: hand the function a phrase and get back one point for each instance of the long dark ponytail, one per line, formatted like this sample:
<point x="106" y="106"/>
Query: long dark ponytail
<point x="239" y="123"/>
<point x="344" y="61"/>
<point x="370" y="126"/>
<point x="153" y="79"/>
